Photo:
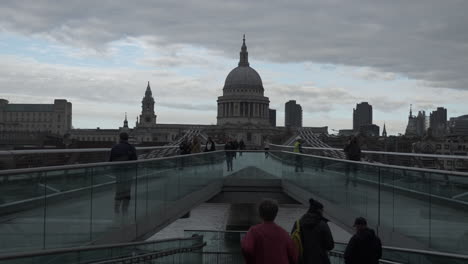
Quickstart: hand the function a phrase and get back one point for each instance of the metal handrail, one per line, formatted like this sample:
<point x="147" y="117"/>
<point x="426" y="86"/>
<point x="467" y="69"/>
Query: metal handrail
<point x="427" y="252"/>
<point x="340" y="254"/>
<point x="108" y="163"/>
<point x="47" y="151"/>
<point x="406" y="250"/>
<point x="152" y="255"/>
<point x="95" y="164"/>
<point x="90" y="165"/>
<point x="386" y="153"/>
<point x="420" y="251"/>
<point x="388" y="166"/>
<point x="88" y="248"/>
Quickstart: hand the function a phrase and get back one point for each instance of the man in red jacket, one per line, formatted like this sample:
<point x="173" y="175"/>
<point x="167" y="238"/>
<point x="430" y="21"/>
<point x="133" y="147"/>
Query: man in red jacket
<point x="267" y="242"/>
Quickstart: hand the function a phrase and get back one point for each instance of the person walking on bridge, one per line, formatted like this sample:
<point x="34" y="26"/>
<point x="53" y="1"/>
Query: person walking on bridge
<point x="299" y="167"/>
<point x="124" y="173"/>
<point x="266" y="147"/>
<point x="195" y="146"/>
<point x="364" y="247"/>
<point x="241" y="146"/>
<point x="315" y="235"/>
<point x="210" y="145"/>
<point x="229" y="148"/>
<point x="353" y="153"/>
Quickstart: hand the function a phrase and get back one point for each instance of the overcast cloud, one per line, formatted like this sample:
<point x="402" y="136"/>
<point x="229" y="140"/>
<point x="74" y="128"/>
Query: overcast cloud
<point x="188" y="48"/>
<point x="425" y="39"/>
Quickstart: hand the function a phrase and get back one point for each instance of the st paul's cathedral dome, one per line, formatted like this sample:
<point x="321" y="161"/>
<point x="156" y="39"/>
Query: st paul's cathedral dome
<point x="243" y="100"/>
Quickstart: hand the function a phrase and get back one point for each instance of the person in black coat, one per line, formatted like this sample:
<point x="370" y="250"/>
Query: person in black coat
<point x="241" y="146"/>
<point x="316" y="236"/>
<point x="124" y="174"/>
<point x="185" y="147"/>
<point x="229" y="146"/>
<point x="353" y="152"/>
<point x="364" y="247"/>
<point x="210" y="145"/>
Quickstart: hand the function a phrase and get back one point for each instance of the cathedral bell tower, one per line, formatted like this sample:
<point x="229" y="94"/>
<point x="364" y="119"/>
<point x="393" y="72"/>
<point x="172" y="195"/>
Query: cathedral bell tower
<point x="147" y="117"/>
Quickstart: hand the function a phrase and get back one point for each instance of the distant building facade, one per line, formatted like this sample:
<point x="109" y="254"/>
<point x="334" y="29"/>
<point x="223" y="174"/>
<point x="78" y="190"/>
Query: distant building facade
<point x="272" y="117"/>
<point x="293" y="114"/>
<point x="438" y="122"/>
<point x="243" y="113"/>
<point x="417" y="125"/>
<point x="370" y="130"/>
<point x="346" y="132"/>
<point x="362" y="115"/>
<point x="53" y="118"/>
<point x="458" y="126"/>
<point x="148" y="116"/>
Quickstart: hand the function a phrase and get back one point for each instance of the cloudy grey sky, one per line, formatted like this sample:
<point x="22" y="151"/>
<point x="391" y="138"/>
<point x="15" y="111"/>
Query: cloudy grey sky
<point x="328" y="55"/>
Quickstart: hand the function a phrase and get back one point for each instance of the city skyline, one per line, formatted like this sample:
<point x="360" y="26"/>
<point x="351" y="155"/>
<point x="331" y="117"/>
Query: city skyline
<point x="103" y="69"/>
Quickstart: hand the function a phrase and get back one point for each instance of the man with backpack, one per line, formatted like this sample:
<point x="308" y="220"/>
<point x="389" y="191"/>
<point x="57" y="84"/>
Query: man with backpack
<point x="312" y="236"/>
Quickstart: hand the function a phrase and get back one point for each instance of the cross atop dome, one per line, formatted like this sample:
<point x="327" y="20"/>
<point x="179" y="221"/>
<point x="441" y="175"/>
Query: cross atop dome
<point x="244" y="55"/>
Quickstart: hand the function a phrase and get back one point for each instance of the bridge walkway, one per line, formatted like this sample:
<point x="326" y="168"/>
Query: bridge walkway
<point x="407" y="206"/>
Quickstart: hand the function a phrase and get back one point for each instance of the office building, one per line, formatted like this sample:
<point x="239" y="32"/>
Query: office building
<point x="362" y="115"/>
<point x="293" y="114"/>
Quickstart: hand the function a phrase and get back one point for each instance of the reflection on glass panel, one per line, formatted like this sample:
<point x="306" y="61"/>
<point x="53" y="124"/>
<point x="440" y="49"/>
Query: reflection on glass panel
<point x="23" y="204"/>
<point x="67" y="219"/>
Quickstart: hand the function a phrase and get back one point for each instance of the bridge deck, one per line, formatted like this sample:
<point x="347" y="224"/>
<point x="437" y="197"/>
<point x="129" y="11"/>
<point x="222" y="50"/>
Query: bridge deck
<point x="423" y="207"/>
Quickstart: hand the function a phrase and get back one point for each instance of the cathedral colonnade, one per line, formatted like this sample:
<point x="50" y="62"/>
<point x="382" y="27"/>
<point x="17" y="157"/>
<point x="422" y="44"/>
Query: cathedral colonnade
<point x="243" y="109"/>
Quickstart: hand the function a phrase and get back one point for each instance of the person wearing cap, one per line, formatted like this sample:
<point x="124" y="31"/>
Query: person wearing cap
<point x="268" y="243"/>
<point x="364" y="247"/>
<point x="316" y="236"/>
<point x="123" y="151"/>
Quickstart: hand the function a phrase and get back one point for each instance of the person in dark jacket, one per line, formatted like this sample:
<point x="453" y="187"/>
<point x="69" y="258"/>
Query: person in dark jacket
<point x="229" y="146"/>
<point x="364" y="247"/>
<point x="210" y="145"/>
<point x="352" y="149"/>
<point x="353" y="152"/>
<point x="124" y="173"/>
<point x="241" y="146"/>
<point x="316" y="236"/>
<point x="235" y="145"/>
<point x="185" y="147"/>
